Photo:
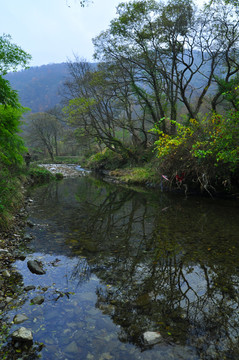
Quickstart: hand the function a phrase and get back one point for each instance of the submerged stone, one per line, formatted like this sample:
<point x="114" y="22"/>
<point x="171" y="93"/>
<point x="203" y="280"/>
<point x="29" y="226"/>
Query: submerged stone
<point x="37" y="300"/>
<point x="30" y="223"/>
<point x="35" y="267"/>
<point x="29" y="287"/>
<point x="72" y="348"/>
<point x="27" y="237"/>
<point x="18" y="319"/>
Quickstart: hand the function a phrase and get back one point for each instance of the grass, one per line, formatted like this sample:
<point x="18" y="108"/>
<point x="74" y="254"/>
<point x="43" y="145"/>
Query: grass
<point x="12" y="190"/>
<point x="40" y="175"/>
<point x="11" y="197"/>
<point x="136" y="175"/>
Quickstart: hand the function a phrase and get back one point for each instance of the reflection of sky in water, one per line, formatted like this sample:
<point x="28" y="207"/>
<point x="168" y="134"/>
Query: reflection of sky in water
<point x="119" y="263"/>
<point x="70" y="325"/>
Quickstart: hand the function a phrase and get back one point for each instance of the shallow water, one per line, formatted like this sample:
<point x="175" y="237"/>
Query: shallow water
<point x="120" y="262"/>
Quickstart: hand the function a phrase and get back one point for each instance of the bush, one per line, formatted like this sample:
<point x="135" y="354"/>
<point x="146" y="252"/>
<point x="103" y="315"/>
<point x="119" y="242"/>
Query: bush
<point x="40" y="175"/>
<point x="106" y="159"/>
<point x="206" y="153"/>
<point x="59" y="176"/>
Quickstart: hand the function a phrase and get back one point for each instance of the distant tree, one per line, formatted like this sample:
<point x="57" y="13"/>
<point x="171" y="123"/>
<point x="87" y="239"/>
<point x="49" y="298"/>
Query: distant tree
<point x="43" y="131"/>
<point x="102" y="106"/>
<point x="83" y="3"/>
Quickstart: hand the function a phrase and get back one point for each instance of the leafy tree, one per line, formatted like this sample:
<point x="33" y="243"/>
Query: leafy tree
<point x="11" y="58"/>
<point x="172" y="52"/>
<point x="11" y="145"/>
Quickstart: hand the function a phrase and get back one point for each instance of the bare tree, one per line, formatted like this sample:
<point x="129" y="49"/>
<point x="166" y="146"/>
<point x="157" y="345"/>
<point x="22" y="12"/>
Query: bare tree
<point x="43" y="130"/>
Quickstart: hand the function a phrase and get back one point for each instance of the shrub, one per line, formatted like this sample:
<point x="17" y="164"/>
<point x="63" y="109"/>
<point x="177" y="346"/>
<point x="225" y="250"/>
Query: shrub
<point x="40" y="175"/>
<point x="59" y="176"/>
<point x="106" y="159"/>
<point x="207" y="152"/>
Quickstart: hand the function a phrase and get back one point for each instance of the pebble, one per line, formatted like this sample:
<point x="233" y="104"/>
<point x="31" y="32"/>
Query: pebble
<point x="6" y="273"/>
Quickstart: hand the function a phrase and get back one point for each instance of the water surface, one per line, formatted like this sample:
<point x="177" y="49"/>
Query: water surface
<point x="120" y="262"/>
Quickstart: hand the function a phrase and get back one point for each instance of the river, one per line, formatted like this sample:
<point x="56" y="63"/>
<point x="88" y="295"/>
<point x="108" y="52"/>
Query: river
<point x="131" y="274"/>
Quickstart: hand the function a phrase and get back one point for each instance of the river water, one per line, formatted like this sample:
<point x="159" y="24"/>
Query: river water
<point x="121" y="263"/>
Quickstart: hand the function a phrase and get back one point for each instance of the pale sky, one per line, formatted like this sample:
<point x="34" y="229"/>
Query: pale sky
<point x="52" y="30"/>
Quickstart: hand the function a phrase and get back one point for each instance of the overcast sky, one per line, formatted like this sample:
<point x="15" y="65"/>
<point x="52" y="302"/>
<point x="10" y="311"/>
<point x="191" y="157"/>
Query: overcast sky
<point x="52" y="30"/>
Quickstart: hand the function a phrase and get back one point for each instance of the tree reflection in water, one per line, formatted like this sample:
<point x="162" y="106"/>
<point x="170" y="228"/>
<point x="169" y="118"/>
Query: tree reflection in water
<point x="166" y="264"/>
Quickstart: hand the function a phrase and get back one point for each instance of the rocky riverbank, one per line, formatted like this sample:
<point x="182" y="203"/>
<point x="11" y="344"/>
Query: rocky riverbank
<point x="66" y="170"/>
<point x="12" y="247"/>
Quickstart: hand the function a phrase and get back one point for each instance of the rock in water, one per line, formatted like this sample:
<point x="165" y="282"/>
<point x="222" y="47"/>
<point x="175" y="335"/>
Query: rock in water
<point x="22" y="334"/>
<point x="37" y="300"/>
<point x="35" y="267"/>
<point x="18" y="319"/>
<point x="152" y="337"/>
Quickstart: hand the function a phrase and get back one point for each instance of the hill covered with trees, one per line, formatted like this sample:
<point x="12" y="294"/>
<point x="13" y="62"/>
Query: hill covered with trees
<point x="38" y="87"/>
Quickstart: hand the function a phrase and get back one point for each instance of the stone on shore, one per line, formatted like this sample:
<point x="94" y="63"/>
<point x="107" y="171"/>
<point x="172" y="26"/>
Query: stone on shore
<point x="23" y="335"/>
<point x="6" y="273"/>
<point x="152" y="337"/>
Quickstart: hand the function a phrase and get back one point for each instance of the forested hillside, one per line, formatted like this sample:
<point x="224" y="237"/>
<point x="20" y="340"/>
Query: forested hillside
<point x="38" y="87"/>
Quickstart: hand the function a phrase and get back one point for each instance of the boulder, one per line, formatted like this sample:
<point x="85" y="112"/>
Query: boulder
<point x="35" y="267"/>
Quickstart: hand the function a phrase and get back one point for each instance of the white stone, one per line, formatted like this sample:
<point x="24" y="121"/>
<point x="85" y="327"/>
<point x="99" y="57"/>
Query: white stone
<point x="152" y="337"/>
<point x="22" y="334"/>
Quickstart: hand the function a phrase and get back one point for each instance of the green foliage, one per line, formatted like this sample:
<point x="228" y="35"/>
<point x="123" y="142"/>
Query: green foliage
<point x="139" y="175"/>
<point x="11" y="145"/>
<point x="11" y="196"/>
<point x="220" y="141"/>
<point x="206" y="150"/>
<point x="11" y="57"/>
<point x="106" y="159"/>
<point x="77" y="107"/>
<point x="59" y="176"/>
<point x="40" y="175"/>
